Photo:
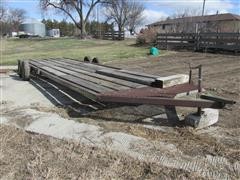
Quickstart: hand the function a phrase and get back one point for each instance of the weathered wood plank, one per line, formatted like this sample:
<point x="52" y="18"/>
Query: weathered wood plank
<point x="164" y="83"/>
<point x="157" y="81"/>
<point x="173" y="80"/>
<point x="98" y="66"/>
<point x="75" y="64"/>
<point x="78" y="81"/>
<point x="98" y="76"/>
<point x="47" y="68"/>
<point x="84" y="91"/>
<point x="139" y="74"/>
<point x="86" y="84"/>
<point x="129" y="77"/>
<point x="100" y="82"/>
<point x="102" y="65"/>
<point x="83" y="64"/>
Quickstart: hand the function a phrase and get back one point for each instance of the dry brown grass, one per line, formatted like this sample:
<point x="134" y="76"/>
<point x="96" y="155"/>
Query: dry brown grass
<point x="187" y="140"/>
<point x="33" y="156"/>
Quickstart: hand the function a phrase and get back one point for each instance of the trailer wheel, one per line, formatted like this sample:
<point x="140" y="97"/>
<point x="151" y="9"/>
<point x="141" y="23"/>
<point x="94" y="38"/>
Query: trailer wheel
<point x="87" y="59"/>
<point x="95" y="60"/>
<point x="25" y="70"/>
<point x="19" y="71"/>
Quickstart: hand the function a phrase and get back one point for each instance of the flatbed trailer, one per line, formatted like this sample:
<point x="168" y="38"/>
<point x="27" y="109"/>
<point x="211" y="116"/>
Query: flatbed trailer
<point x="107" y="84"/>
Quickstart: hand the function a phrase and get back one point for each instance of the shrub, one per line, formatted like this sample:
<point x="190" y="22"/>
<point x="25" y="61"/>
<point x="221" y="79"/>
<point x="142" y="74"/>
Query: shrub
<point x="147" y="36"/>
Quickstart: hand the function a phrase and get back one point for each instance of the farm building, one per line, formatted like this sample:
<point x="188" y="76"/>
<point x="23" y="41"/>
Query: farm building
<point x="33" y="27"/>
<point x="53" y="33"/>
<point x="211" y="23"/>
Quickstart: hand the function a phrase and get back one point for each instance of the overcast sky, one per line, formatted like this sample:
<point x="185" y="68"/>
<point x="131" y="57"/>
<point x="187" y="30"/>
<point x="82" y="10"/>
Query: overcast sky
<point x="155" y="9"/>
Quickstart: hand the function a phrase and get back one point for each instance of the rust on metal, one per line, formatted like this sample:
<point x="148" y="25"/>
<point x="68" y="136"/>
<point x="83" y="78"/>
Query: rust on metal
<point x="158" y="96"/>
<point x="168" y="92"/>
<point x="199" y="68"/>
<point x="4" y="71"/>
<point x="159" y="101"/>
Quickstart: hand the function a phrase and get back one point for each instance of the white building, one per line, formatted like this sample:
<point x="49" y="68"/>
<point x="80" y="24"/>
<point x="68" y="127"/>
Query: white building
<point x="14" y="34"/>
<point x="54" y="33"/>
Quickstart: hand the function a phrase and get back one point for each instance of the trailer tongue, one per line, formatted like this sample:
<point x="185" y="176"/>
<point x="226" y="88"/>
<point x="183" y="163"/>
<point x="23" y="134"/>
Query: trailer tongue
<point x="114" y="85"/>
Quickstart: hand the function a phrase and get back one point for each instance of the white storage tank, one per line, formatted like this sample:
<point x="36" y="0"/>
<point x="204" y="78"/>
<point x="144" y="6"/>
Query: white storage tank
<point x="33" y="27"/>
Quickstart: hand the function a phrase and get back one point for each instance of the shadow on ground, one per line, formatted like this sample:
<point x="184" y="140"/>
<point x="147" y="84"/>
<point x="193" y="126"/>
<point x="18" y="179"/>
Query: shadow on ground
<point x="78" y="106"/>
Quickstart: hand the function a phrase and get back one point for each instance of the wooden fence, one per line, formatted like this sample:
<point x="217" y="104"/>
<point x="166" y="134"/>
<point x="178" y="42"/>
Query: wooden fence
<point x="110" y="35"/>
<point x="200" y="41"/>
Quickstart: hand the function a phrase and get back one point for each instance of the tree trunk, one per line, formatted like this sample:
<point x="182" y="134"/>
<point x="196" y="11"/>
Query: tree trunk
<point x="119" y="32"/>
<point x="83" y="29"/>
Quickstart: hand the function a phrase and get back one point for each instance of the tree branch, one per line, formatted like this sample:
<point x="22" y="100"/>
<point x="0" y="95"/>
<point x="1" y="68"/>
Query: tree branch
<point x="64" y="10"/>
<point x="93" y="4"/>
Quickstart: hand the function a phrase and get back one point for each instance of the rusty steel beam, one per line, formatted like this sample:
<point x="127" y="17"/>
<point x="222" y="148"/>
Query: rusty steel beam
<point x="4" y="71"/>
<point x="159" y="101"/>
<point x="169" y="92"/>
<point x="218" y="99"/>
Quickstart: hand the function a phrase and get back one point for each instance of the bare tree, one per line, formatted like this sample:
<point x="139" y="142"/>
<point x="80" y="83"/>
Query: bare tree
<point x="16" y="17"/>
<point x="136" y="17"/>
<point x="125" y="13"/>
<point x="3" y="10"/>
<point x="83" y="9"/>
<point x="10" y="20"/>
<point x="186" y="21"/>
<point x="3" y="13"/>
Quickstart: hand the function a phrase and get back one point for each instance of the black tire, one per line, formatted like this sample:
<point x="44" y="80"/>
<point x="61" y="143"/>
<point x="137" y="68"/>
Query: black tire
<point x="95" y="60"/>
<point x="25" y="70"/>
<point x="87" y="59"/>
<point x="19" y="71"/>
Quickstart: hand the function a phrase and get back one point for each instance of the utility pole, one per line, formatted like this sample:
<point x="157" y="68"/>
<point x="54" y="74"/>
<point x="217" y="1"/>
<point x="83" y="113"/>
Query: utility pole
<point x="202" y="22"/>
<point x="98" y="28"/>
<point x="204" y="1"/>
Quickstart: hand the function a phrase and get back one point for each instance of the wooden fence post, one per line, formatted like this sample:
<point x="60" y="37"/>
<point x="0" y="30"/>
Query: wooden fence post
<point x="113" y="35"/>
<point x="166" y="42"/>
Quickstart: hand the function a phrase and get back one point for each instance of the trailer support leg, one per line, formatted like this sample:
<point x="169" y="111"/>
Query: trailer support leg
<point x="172" y="114"/>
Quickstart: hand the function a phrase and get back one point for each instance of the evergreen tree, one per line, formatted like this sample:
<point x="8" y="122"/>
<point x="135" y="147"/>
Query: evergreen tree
<point x="69" y="28"/>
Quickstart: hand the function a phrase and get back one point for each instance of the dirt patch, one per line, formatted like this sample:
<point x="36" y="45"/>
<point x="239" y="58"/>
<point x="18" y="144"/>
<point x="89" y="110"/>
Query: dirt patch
<point x="221" y="76"/>
<point x="132" y="114"/>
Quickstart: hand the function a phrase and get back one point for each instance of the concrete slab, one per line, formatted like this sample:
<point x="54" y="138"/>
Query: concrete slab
<point x="207" y="118"/>
<point x="16" y="92"/>
<point x="9" y="67"/>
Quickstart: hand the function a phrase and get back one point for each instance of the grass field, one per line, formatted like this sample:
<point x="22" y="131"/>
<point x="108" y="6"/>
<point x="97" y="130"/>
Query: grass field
<point x="14" y="49"/>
